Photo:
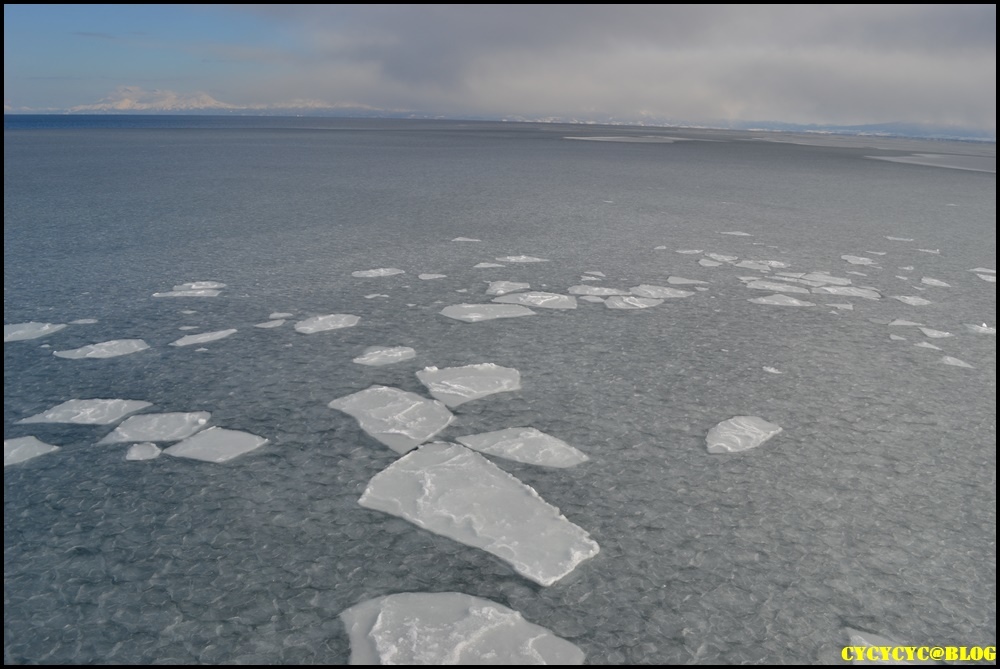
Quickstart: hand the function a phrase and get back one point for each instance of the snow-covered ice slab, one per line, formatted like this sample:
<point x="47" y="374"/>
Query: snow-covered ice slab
<point x="268" y="325"/>
<point x="88" y="412"/>
<point x="327" y="322"/>
<point x="912" y="300"/>
<point x="927" y="344"/>
<point x="936" y="334"/>
<point x="932" y="251"/>
<point x="525" y="444"/>
<point x="899" y="239"/>
<point x="172" y="426"/>
<point x="484" y="265"/>
<point x="457" y="385"/>
<point x="591" y="298"/>
<point x="449" y="628"/>
<point x="688" y="252"/>
<point x="278" y="315"/>
<point x="376" y="356"/>
<point x="32" y="330"/>
<point x="504" y="287"/>
<point x="522" y="259"/>
<point x="200" y="285"/>
<point x="981" y="329"/>
<point x="948" y="360"/>
<point x="849" y="291"/>
<point x="431" y="277"/>
<point x="105" y="349"/>
<point x="705" y="262"/>
<point x="718" y="257"/>
<point x="473" y="313"/>
<point x="465" y="239"/>
<point x="401" y="420"/>
<point x="457" y="493"/>
<point x="631" y="302"/>
<point x="858" y="260"/>
<point x="740" y="433"/>
<point x="681" y="281"/>
<point x="83" y="321"/>
<point x="203" y="337"/>
<point x="659" y="292"/>
<point x="737" y="233"/>
<point x="983" y="270"/>
<point x="595" y="273"/>
<point x="779" y="286"/>
<point x="904" y="323"/>
<point x="381" y="271"/>
<point x="600" y="291"/>
<point x="203" y="292"/>
<point x="216" y="444"/>
<point x="823" y="277"/>
<point x="934" y="282"/>
<point x="147" y="450"/>
<point x="781" y="301"/>
<point x="537" y="298"/>
<point x="989" y="278"/>
<point x="23" y="449"/>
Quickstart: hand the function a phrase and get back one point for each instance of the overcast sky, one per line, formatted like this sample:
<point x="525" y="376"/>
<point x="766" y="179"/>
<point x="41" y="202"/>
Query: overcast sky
<point x="845" y="64"/>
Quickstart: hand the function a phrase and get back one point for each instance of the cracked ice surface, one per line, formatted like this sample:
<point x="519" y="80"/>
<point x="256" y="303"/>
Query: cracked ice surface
<point x="88" y="412"/>
<point x="473" y="313"/>
<point x="377" y="356"/>
<point x="539" y="299"/>
<point x="449" y="628"/>
<point x="457" y="385"/>
<point x="525" y="444"/>
<point x="327" y="322"/>
<point x="23" y="449"/>
<point x="457" y="493"/>
<point x="401" y="420"/>
<point x="203" y="338"/>
<point x="32" y="330"/>
<point x="216" y="444"/>
<point x="105" y="349"/>
<point x="740" y="433"/>
<point x="172" y="426"/>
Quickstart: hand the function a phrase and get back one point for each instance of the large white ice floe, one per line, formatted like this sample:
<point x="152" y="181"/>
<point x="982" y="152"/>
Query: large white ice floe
<point x="540" y="299"/>
<point x="849" y="291"/>
<point x="172" y="426"/>
<point x="522" y="259"/>
<point x="912" y="300"/>
<point x="600" y="291"/>
<point x="280" y="315"/>
<point x="458" y="385"/>
<point x="32" y="330"/>
<point x="216" y="444"/>
<point x="721" y="258"/>
<point x="705" y="262"/>
<point x="146" y="450"/>
<point x="203" y="337"/>
<point x="688" y="252"/>
<point x="376" y="356"/>
<point x="504" y="287"/>
<point x="740" y="433"/>
<point x="659" y="292"/>
<point x="381" y="271"/>
<point x="449" y="628"/>
<point x="88" y="412"/>
<point x="327" y="322"/>
<point x="631" y="302"/>
<point x="781" y="301"/>
<point x="401" y="420"/>
<point x="473" y="313"/>
<point x="455" y="492"/>
<point x="23" y="449"/>
<point x="525" y="444"/>
<point x="105" y="349"/>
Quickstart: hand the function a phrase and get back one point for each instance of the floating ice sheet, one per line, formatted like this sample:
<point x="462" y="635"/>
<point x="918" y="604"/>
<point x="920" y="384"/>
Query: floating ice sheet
<point x="927" y="344"/>
<point x="591" y="298"/>
<point x="484" y="265"/>
<point x="522" y="259"/>
<point x="540" y="299"/>
<point x="525" y="444"/>
<point x="457" y="385"/>
<point x="452" y="491"/>
<point x="216" y="444"/>
<point x="740" y="433"/>
<point x="823" y="277"/>
<point x="981" y="329"/>
<point x="931" y="251"/>
<point x="381" y="271"/>
<point x="899" y="239"/>
<point x="772" y="286"/>
<point x="105" y="349"/>
<point x="936" y="334"/>
<point x="912" y="300"/>
<point x="595" y="290"/>
<point x="473" y="313"/>
<point x="449" y="628"/>
<point x="22" y="449"/>
<point x="934" y="282"/>
<point x="990" y="278"/>
<point x="327" y="322"/>
<point x="430" y="277"/>
<point x="772" y="370"/>
<point x="504" y="287"/>
<point x="902" y="322"/>
<point x="83" y="321"/>
<point x="705" y="262"/>
<point x="203" y="292"/>
<point x="267" y="325"/>
<point x="689" y="252"/>
<point x="737" y="233"/>
<point x="399" y="419"/>
<point x="172" y="426"/>
<point x="32" y="330"/>
<point x="203" y="338"/>
<point x="147" y="450"/>
<point x="841" y="305"/>
<point x="849" y="291"/>
<point x="681" y="281"/>
<point x="88" y="412"/>
<point x="858" y="260"/>
<point x="277" y="315"/>
<point x="597" y="274"/>
<point x="659" y="292"/>
<point x="631" y="302"/>
<point x="200" y="285"/>
<point x="781" y="301"/>
<point x="376" y="356"/>
<point x="948" y="360"/>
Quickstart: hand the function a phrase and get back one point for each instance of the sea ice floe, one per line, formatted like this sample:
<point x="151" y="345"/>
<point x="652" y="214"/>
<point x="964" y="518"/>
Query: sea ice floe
<point x="525" y="444"/>
<point x="88" y="412"/>
<point x="912" y="300"/>
<point x="327" y="322"/>
<point x="216" y="444"/>
<point x="455" y="492"/>
<point x="401" y="420"/>
<point x="659" y="248"/>
<point x="876" y="253"/>
<point x="753" y="264"/>
<point x="200" y="285"/>
<point x="898" y="239"/>
<point x="484" y="265"/>
<point x="449" y="628"/>
<point x="473" y="313"/>
<point x="858" y="260"/>
<point x="32" y="330"/>
<point x="991" y="278"/>
<point x="841" y="305"/>
<point x="631" y="302"/>
<point x="689" y="252"/>
<point x="465" y="239"/>
<point x="591" y="298"/>
<point x="83" y="321"/>
<point x="381" y="271"/>
<point x="457" y="385"/>
<point x="522" y="259"/>
<point x="705" y="262"/>
<point x="681" y="281"/>
<point x="23" y="449"/>
<point x="896" y="337"/>
<point x="590" y="278"/>
<point x="595" y="290"/>
<point x="983" y="270"/>
<point x="430" y="277"/>
<point x="934" y="282"/>
<point x="849" y="291"/>
<point x="781" y="301"/>
<point x="597" y="274"/>
<point x="659" y="292"/>
<point x="772" y="370"/>
<point x="539" y="299"/>
<point x="204" y="292"/>
<point x="934" y="251"/>
<point x="718" y="257"/>
<point x="172" y="426"/>
<point x="188" y="327"/>
<point x="147" y="450"/>
<point x="376" y="356"/>
<point x="927" y="344"/>
<point x="936" y="334"/>
<point x="737" y="233"/>
<point x="772" y="286"/>
<point x="902" y="322"/>
<point x="981" y="329"/>
<point x="278" y="315"/>
<point x="740" y="433"/>
<point x="948" y="360"/>
<point x="267" y="325"/>
<point x="856" y="273"/>
<point x="826" y="278"/>
<point x="203" y="338"/>
<point x="372" y="296"/>
<point x="105" y="349"/>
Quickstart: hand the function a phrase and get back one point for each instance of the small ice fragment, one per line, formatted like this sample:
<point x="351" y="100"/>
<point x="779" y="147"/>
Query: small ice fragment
<point x="83" y="321"/>
<point x="772" y="370"/>
<point x="659" y="248"/>
<point x="525" y="444"/>
<point x="896" y="337"/>
<point x="927" y="344"/>
<point x="374" y="295"/>
<point x="591" y="298"/>
<point x="659" y="292"/>
<point x="188" y="327"/>
<point x="216" y="444"/>
<point x="522" y="259"/>
<point x="457" y="385"/>
<point x="376" y="356"/>
<point x="841" y="305"/>
<point x="277" y="315"/>
<point x="934" y="251"/>
<point x="631" y="302"/>
<point x="429" y="277"/>
<point x="983" y="270"/>
<point x="876" y="253"/>
<point x="858" y="260"/>
<point x="718" y="257"/>
<point x="705" y="262"/>
<point x="934" y="282"/>
<point x="737" y="233"/>
<point x="381" y="271"/>
<point x="752" y="264"/>
<point x="688" y="252"/>
<point x="590" y="278"/>
<point x="147" y="450"/>
<point x="908" y="268"/>
<point x="473" y="313"/>
<point x="981" y="329"/>
<point x="172" y="426"/>
<point x="898" y="239"/>
<point x="539" y="299"/>
<point x="401" y="420"/>
<point x="202" y="338"/>
<point x="200" y="285"/>
<point x="991" y="278"/>
<point x="948" y="360"/>
<point x="205" y="292"/>
<point x="484" y="265"/>
<point x="503" y="287"/>
<point x="595" y="290"/>
<point x="105" y="349"/>
<point x="902" y="322"/>
<point x="740" y="433"/>
<point x="32" y="330"/>
<point x="782" y="301"/>
<point x="780" y="286"/>
<point x="912" y="300"/>
<point x="823" y="277"/>
<point x="88" y="412"/>
<point x="593" y="273"/>
<point x="681" y="281"/>
<point x="327" y="322"/>
<point x="849" y="291"/>
<point x="465" y="239"/>
<point x="23" y="449"/>
<point x="267" y="325"/>
<point x="936" y="334"/>
<point x="856" y="273"/>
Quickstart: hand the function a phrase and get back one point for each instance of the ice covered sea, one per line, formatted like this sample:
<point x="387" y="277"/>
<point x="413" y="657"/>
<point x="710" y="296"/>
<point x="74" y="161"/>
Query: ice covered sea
<point x="229" y="286"/>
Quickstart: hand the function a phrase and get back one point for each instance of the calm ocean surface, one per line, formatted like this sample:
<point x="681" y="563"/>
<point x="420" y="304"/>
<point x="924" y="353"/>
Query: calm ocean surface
<point x="873" y="510"/>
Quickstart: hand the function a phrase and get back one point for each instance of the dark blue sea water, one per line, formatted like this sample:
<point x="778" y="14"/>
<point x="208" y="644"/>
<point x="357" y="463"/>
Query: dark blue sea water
<point x="874" y="509"/>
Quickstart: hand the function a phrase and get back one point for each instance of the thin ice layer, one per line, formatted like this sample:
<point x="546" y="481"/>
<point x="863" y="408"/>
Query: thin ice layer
<point x="32" y="330"/>
<point x="473" y="313"/>
<point x="449" y="628"/>
<point x="88" y="412"/>
<point x="458" y="385"/>
<point x="377" y="356"/>
<point x="457" y="493"/>
<point x="105" y="349"/>
<point x="740" y="433"/>
<point x="327" y="322"/>
<point x="216" y="444"/>
<point x="22" y="449"/>
<point x="525" y="444"/>
<point x="172" y="426"/>
<point x="540" y="299"/>
<point x="203" y="337"/>
<point x="401" y="420"/>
